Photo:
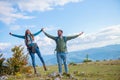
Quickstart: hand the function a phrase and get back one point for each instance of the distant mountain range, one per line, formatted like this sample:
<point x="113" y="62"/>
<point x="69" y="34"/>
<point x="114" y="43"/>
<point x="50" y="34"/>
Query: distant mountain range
<point x="101" y="53"/>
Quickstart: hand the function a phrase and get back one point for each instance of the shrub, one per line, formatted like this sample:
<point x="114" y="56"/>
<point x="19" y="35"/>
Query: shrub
<point x="18" y="61"/>
<point x="104" y="60"/>
<point x="3" y="68"/>
<point x="87" y="60"/>
<point x="119" y="58"/>
<point x="97" y="60"/>
<point x="72" y="63"/>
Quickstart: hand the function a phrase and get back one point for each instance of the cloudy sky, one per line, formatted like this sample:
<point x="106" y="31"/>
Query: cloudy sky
<point x="98" y="19"/>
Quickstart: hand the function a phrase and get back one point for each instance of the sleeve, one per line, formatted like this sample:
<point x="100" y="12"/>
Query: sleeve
<point x="50" y="36"/>
<point x="19" y="36"/>
<point x="35" y="34"/>
<point x="71" y="37"/>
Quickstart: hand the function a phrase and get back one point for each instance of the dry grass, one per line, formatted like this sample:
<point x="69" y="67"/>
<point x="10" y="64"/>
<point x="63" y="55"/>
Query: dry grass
<point x="105" y="70"/>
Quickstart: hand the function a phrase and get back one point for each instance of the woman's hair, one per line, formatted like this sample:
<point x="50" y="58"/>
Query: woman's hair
<point x="26" y="39"/>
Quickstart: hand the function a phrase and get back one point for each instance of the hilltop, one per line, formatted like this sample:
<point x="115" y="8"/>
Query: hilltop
<point x="105" y="70"/>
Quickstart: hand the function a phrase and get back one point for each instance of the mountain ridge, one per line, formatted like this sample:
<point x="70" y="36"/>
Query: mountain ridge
<point x="100" y="53"/>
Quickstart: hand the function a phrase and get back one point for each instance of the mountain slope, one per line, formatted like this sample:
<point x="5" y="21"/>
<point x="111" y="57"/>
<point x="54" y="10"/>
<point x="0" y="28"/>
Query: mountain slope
<point x="102" y="53"/>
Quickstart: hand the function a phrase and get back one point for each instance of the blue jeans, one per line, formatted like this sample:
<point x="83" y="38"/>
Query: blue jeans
<point x="62" y="57"/>
<point x="39" y="55"/>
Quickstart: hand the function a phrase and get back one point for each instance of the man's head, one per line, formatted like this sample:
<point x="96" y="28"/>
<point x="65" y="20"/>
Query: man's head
<point x="60" y="32"/>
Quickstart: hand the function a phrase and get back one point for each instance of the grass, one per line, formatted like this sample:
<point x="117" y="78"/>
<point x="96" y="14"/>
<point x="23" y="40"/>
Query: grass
<point x="105" y="70"/>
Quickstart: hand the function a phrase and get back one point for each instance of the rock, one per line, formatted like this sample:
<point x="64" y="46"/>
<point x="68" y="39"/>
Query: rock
<point x="38" y="75"/>
<point x="47" y="79"/>
<point x="53" y="74"/>
<point x="57" y="78"/>
<point x="84" y="79"/>
<point x="3" y="78"/>
<point x="82" y="73"/>
<point x="29" y="75"/>
<point x="72" y="77"/>
<point x="75" y="72"/>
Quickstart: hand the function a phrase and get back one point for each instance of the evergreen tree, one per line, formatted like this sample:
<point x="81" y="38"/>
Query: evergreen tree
<point x="3" y="68"/>
<point x="1" y="60"/>
<point x="18" y="61"/>
<point x="1" y="64"/>
<point x="87" y="59"/>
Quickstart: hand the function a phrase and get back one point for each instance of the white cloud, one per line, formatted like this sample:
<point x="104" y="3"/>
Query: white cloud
<point x="34" y="5"/>
<point x="42" y="5"/>
<point x="50" y="28"/>
<point x="29" y="26"/>
<point x="45" y="44"/>
<point x="11" y="10"/>
<point x="18" y="27"/>
<point x="4" y="45"/>
<point x="63" y="2"/>
<point x="9" y="14"/>
<point x="15" y="27"/>
<point x="106" y="36"/>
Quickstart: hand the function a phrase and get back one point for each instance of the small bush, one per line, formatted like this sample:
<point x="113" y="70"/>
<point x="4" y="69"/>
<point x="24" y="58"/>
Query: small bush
<point x="97" y="60"/>
<point x="104" y="60"/>
<point x="87" y="60"/>
<point x="72" y="63"/>
<point x="119" y="58"/>
<point x="3" y="68"/>
<point x="18" y="62"/>
<point x="27" y="69"/>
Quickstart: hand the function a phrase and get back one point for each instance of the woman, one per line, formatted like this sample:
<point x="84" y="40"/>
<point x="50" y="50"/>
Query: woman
<point x="32" y="47"/>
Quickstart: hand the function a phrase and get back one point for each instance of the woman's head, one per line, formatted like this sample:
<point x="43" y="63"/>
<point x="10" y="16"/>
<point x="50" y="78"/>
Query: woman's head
<point x="27" y="31"/>
<point x="26" y="34"/>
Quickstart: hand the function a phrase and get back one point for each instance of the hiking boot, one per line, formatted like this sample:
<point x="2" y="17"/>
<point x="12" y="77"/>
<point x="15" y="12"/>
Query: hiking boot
<point x="44" y="67"/>
<point x="35" y="72"/>
<point x="60" y="75"/>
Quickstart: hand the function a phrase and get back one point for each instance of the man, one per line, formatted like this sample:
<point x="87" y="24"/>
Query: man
<point x="61" y="48"/>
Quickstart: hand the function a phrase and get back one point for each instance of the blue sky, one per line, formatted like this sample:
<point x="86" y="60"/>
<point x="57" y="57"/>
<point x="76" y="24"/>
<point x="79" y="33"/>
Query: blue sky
<point x="99" y="19"/>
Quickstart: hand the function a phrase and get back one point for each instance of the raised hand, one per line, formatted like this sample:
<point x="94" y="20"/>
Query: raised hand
<point x="10" y="33"/>
<point x="81" y="33"/>
<point x="42" y="29"/>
